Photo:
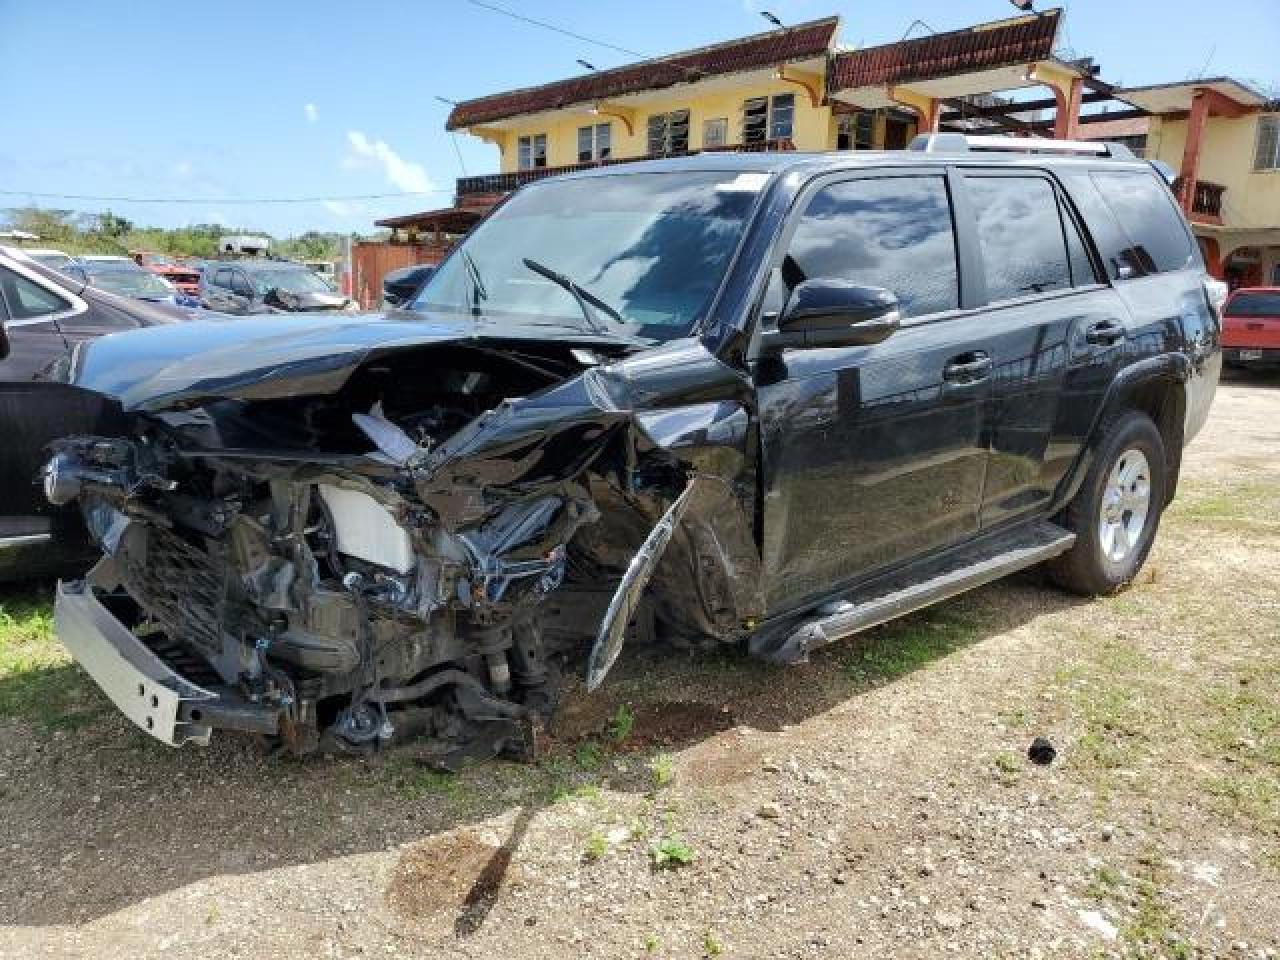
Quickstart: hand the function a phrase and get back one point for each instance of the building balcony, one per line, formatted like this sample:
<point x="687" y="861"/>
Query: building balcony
<point x="1206" y="204"/>
<point x="499" y="184"/>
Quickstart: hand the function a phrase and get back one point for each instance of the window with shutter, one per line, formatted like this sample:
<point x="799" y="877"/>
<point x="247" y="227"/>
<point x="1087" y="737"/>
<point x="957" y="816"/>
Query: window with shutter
<point x="1267" y="153"/>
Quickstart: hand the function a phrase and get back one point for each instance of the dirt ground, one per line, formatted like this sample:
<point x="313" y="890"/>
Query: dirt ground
<point x="876" y="802"/>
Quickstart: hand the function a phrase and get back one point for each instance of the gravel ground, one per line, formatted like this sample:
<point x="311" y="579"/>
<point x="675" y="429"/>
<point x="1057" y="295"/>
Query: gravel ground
<point x="876" y="802"/>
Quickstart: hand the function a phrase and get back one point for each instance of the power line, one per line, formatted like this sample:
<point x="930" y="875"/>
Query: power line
<point x="221" y="201"/>
<point x="554" y="29"/>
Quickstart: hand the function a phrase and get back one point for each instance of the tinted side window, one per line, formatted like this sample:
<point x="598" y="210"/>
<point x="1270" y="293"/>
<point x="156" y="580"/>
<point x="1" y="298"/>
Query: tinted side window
<point x="1157" y="239"/>
<point x="222" y="278"/>
<point x="1020" y="233"/>
<point x="894" y="233"/>
<point x="1083" y="273"/>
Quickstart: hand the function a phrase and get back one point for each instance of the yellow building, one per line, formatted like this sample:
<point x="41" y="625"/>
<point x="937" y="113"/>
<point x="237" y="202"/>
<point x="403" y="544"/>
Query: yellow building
<point x="792" y="88"/>
<point x="1224" y="139"/>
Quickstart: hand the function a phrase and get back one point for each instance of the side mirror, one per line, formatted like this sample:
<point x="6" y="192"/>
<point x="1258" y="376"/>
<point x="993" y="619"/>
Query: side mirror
<point x="834" y="313"/>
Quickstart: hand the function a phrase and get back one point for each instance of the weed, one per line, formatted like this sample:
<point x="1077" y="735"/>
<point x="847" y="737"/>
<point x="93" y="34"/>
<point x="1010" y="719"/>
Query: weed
<point x="711" y="946"/>
<point x="622" y="723"/>
<point x="664" y="769"/>
<point x="650" y="943"/>
<point x="413" y="780"/>
<point x="671" y="852"/>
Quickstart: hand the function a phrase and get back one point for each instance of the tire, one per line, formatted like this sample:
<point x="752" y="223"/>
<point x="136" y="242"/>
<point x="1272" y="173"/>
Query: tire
<point x="1113" y="532"/>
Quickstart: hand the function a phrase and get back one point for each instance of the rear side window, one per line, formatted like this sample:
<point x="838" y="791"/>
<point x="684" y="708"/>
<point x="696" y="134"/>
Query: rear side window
<point x="892" y="232"/>
<point x="1157" y="238"/>
<point x="222" y="278"/>
<point x="27" y="300"/>
<point x="1263" y="303"/>
<point x="1020" y="233"/>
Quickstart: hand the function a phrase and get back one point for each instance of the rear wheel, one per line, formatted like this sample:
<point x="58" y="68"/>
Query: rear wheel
<point x="1117" y="511"/>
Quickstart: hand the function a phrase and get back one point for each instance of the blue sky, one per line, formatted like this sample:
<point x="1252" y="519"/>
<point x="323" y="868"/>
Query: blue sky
<point x="237" y="100"/>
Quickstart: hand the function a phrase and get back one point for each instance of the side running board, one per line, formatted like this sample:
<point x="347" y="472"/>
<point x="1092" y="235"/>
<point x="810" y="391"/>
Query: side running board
<point x="981" y="564"/>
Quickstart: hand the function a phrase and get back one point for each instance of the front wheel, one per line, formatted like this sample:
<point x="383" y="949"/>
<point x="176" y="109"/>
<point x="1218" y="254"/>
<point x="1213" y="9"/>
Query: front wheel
<point x="1117" y="510"/>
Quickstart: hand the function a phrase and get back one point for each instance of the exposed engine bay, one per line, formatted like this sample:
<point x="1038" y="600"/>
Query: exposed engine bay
<point x="422" y="552"/>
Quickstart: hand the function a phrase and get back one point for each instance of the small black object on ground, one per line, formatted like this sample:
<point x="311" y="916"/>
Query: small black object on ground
<point x="1042" y="751"/>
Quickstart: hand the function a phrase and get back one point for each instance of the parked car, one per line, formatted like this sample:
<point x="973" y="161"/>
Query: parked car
<point x="183" y="275"/>
<point x="53" y="259"/>
<point x="1251" y="327"/>
<point x="399" y="287"/>
<point x="45" y="315"/>
<point x="125" y="278"/>
<point x="764" y="400"/>
<point x="267" y="286"/>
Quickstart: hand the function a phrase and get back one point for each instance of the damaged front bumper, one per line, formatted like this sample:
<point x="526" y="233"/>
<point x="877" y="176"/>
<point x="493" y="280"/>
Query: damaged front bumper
<point x="146" y="690"/>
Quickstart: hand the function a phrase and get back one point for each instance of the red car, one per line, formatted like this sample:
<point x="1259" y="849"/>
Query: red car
<point x="186" y="278"/>
<point x="1251" y="327"/>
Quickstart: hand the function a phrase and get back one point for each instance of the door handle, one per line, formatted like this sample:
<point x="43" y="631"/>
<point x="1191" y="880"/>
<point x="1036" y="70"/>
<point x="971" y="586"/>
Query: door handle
<point x="1104" y="332"/>
<point x="967" y="368"/>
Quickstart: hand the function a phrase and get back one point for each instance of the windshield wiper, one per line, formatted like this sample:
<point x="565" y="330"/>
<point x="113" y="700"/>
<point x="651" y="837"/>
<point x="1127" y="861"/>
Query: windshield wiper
<point x="478" y="292"/>
<point x="582" y="295"/>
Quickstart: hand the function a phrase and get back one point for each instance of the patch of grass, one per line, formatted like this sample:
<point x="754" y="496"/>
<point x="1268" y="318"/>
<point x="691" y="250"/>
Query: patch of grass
<point x="671" y="852"/>
<point x="622" y="723"/>
<point x="588" y="755"/>
<point x="38" y="681"/>
<point x="711" y="946"/>
<point x="663" y="768"/>
<point x="905" y="645"/>
<point x="597" y="846"/>
<point x="1008" y="767"/>
<point x="650" y="943"/>
<point x="1104" y="883"/>
<point x="413" y="780"/>
<point x="1253" y="796"/>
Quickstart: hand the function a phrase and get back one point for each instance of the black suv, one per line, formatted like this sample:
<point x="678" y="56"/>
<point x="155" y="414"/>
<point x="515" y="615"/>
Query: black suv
<point x="766" y="400"/>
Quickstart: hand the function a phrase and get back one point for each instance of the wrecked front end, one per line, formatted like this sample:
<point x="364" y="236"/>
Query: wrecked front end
<point x="418" y="553"/>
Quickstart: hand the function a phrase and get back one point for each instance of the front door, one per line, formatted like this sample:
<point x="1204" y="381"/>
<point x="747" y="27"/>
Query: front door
<point x="872" y="455"/>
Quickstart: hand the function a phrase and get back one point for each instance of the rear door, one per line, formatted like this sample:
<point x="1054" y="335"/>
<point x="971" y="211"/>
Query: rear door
<point x="30" y="308"/>
<point x="1055" y="333"/>
<point x="872" y="455"/>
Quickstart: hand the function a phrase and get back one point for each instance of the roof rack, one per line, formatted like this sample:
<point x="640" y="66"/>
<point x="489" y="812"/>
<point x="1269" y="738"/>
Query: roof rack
<point x="965" y="143"/>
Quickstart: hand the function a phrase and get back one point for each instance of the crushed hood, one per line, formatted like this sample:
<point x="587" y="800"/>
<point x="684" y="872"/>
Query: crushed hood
<point x="281" y="355"/>
<point x="307" y="301"/>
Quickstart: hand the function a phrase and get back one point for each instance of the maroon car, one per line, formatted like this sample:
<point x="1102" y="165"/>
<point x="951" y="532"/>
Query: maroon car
<point x="1251" y="327"/>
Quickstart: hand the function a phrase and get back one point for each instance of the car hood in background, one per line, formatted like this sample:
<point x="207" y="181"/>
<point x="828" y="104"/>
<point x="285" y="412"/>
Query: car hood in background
<point x="283" y="355"/>
<point x="310" y="301"/>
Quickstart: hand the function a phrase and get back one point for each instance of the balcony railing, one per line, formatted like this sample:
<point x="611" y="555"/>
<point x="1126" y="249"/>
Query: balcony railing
<point x="1207" y="201"/>
<point x="499" y="183"/>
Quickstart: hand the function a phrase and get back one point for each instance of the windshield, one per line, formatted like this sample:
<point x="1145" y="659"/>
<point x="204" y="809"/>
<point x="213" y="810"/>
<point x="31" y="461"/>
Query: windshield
<point x="1264" y="303"/>
<point x="653" y="247"/>
<point x="289" y="281"/>
<point x="130" y="283"/>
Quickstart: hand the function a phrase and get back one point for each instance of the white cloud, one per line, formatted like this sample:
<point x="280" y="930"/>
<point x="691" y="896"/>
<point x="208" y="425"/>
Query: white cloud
<point x="403" y="174"/>
<point x="311" y="112"/>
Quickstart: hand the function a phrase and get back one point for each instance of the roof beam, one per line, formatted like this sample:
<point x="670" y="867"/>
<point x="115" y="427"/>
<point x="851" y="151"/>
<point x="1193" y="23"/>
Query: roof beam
<point x="1004" y="109"/>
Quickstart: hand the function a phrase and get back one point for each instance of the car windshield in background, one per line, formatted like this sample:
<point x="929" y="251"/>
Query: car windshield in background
<point x="128" y="282"/>
<point x="652" y="246"/>
<point x="1264" y="303"/>
<point x="54" y="261"/>
<point x="300" y="280"/>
